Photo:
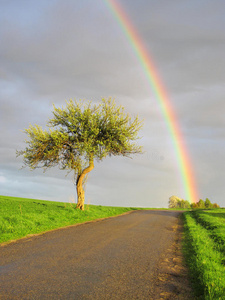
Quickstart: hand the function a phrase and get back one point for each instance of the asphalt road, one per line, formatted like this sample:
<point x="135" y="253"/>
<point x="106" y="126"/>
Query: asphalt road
<point x="115" y="258"/>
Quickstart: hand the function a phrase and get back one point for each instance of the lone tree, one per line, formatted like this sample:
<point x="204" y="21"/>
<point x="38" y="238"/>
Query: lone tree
<point x="79" y="134"/>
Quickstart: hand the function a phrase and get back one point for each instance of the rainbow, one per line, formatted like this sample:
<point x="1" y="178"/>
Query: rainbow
<point x="183" y="159"/>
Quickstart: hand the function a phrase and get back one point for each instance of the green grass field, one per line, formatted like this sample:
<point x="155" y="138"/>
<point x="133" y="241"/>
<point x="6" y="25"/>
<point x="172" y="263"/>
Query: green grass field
<point x="20" y="217"/>
<point x="204" y="250"/>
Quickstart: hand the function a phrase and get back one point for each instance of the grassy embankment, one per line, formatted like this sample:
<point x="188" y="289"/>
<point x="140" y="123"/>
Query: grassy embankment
<point x="20" y="217"/>
<point x="204" y="250"/>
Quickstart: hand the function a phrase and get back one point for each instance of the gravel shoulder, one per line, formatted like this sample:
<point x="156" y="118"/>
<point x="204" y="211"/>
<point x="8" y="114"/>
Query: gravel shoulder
<point x="172" y="277"/>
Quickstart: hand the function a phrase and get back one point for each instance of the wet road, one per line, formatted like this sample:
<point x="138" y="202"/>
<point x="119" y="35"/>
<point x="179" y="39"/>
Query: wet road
<point x="115" y="258"/>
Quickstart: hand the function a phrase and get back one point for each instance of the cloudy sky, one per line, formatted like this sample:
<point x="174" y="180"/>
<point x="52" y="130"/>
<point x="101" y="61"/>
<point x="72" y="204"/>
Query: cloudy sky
<point x="55" y="50"/>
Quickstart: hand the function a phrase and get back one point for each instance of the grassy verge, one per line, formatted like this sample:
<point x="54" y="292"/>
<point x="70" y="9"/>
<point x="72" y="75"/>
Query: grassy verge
<point x="20" y="217"/>
<point x="204" y="240"/>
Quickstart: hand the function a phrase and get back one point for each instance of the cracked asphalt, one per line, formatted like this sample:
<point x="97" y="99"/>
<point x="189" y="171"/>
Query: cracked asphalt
<point x="115" y="258"/>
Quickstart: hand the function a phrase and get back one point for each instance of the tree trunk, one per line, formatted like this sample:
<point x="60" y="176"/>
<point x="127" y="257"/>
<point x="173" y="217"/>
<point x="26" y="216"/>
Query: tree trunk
<point x="79" y="185"/>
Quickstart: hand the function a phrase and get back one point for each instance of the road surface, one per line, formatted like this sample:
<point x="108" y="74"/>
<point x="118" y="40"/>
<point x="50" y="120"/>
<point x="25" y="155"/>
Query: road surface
<point x="115" y="258"/>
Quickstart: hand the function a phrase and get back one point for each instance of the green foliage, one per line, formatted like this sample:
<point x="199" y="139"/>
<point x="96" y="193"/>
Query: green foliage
<point x="194" y="205"/>
<point x="184" y="204"/>
<point x="201" y="204"/>
<point x="204" y="249"/>
<point x="208" y="203"/>
<point x="176" y="202"/>
<point x="204" y="204"/>
<point x="81" y="132"/>
<point x="21" y="217"/>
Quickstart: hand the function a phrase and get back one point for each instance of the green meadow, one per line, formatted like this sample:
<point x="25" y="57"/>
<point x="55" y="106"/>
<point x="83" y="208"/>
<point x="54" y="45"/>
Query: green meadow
<point x="20" y="217"/>
<point x="204" y="251"/>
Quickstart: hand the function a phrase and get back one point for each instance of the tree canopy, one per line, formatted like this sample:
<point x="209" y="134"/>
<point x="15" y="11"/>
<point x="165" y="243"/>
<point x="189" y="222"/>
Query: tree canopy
<point x="78" y="134"/>
<point x="204" y="204"/>
<point x="176" y="202"/>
